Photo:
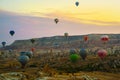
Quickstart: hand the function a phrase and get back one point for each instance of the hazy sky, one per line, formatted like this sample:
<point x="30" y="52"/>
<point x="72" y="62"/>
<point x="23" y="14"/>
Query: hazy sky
<point x="91" y="16"/>
<point x="89" y="11"/>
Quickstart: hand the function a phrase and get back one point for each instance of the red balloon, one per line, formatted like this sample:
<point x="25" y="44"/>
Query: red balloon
<point x="85" y="38"/>
<point x="102" y="53"/>
<point x="104" y="38"/>
<point x="32" y="49"/>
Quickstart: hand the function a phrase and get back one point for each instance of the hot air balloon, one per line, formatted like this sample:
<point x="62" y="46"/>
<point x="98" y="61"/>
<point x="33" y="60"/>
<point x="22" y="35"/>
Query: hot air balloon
<point x="85" y="38"/>
<point x="72" y="51"/>
<point x="56" y="45"/>
<point x="29" y="54"/>
<point x="56" y="20"/>
<point x="12" y="32"/>
<point x="23" y="59"/>
<point x="74" y="57"/>
<point x="102" y="53"/>
<point x="32" y="49"/>
<point x="83" y="53"/>
<point x="3" y="44"/>
<point x="22" y="53"/>
<point x="66" y="35"/>
<point x="104" y="38"/>
<point x="10" y="50"/>
<point x="32" y="41"/>
<point x="77" y="3"/>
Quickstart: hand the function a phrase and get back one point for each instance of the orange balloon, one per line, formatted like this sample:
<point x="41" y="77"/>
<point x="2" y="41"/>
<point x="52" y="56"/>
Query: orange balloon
<point x="32" y="49"/>
<point x="85" y="38"/>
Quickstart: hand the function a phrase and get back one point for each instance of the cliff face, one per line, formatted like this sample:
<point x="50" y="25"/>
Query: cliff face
<point x="74" y="41"/>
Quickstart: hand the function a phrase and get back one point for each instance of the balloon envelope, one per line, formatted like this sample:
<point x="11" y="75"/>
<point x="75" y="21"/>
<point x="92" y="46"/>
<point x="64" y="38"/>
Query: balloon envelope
<point x="77" y="3"/>
<point x="56" y="20"/>
<point x="83" y="53"/>
<point x="32" y="49"/>
<point x="85" y="38"/>
<point x="56" y="45"/>
<point x="22" y="53"/>
<point x="32" y="41"/>
<point x="104" y="38"/>
<point x="3" y="43"/>
<point x="74" y="57"/>
<point x="66" y="35"/>
<point x="72" y="51"/>
<point x="29" y="54"/>
<point x="23" y="60"/>
<point x="10" y="50"/>
<point x="12" y="32"/>
<point x="102" y="53"/>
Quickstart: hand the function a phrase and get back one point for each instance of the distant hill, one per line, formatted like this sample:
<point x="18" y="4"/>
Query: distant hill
<point x="74" y="41"/>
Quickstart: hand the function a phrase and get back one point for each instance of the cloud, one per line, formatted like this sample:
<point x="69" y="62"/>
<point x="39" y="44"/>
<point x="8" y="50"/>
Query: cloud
<point x="60" y="13"/>
<point x="72" y="16"/>
<point x="98" y="22"/>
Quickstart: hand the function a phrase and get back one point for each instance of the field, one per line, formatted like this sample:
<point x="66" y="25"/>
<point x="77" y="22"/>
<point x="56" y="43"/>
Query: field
<point x="51" y="65"/>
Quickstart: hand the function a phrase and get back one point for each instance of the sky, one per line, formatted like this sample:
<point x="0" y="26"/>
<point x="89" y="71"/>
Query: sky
<point x="35" y="18"/>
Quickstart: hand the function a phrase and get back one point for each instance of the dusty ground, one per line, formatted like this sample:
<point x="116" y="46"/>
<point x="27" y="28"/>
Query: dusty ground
<point x="48" y="67"/>
<point x="44" y="74"/>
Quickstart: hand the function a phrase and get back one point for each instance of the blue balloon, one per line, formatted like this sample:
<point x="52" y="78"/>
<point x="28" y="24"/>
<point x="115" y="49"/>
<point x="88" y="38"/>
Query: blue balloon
<point x="3" y="43"/>
<point x="12" y="32"/>
<point x="72" y="51"/>
<point x="77" y="3"/>
<point x="29" y="54"/>
<point x="22" y="53"/>
<point x="83" y="53"/>
<point x="23" y="60"/>
<point x="10" y="50"/>
<point x="56" y="45"/>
